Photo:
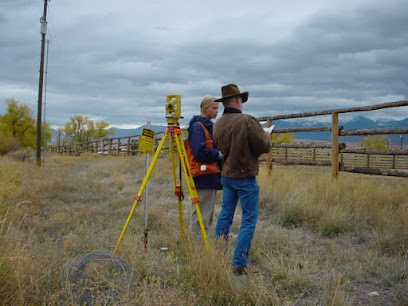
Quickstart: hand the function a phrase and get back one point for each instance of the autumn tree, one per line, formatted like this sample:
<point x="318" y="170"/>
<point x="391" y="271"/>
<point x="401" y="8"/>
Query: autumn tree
<point x="282" y="138"/>
<point x="375" y="142"/>
<point x="101" y="130"/>
<point x="18" y="126"/>
<point x="83" y="129"/>
<point x="19" y="122"/>
<point x="7" y="143"/>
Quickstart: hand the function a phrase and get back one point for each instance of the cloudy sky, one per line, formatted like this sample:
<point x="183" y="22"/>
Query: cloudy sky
<point x="118" y="60"/>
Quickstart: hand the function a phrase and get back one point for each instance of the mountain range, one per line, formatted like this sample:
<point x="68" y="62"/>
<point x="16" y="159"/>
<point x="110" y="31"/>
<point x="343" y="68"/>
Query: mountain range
<point x="359" y="122"/>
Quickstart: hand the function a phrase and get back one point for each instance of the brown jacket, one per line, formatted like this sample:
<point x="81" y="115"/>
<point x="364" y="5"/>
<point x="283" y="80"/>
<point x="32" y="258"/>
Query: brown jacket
<point x="242" y="140"/>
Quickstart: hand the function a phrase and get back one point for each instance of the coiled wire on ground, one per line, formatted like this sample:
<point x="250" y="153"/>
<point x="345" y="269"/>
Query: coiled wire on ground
<point x="99" y="277"/>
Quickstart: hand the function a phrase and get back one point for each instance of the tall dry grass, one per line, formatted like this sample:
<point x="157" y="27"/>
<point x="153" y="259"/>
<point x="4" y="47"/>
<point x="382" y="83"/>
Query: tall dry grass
<point x="318" y="241"/>
<point x="307" y="196"/>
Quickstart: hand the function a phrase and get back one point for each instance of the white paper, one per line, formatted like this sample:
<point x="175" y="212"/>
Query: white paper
<point x="269" y="129"/>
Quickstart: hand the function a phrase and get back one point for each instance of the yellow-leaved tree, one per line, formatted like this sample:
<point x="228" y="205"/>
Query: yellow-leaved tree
<point x="283" y="138"/>
<point x="18" y="127"/>
<point x="83" y="129"/>
<point x="375" y="142"/>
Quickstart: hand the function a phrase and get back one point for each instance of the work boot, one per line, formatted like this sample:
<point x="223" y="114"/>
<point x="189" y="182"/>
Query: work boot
<point x="244" y="271"/>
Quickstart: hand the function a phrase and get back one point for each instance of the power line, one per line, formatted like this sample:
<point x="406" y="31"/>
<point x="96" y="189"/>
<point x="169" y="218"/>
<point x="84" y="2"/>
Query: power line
<point x="51" y="29"/>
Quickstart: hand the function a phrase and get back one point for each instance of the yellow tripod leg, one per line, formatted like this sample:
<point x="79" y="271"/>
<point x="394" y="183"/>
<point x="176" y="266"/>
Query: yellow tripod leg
<point x="191" y="186"/>
<point x="177" y="189"/>
<point x="138" y="197"/>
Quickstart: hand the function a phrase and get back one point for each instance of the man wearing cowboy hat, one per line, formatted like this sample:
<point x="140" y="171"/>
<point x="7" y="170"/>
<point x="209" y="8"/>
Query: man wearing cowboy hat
<point x="241" y="139"/>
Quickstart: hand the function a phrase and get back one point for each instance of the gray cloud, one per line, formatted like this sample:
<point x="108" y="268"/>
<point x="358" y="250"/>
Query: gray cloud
<point x="118" y="61"/>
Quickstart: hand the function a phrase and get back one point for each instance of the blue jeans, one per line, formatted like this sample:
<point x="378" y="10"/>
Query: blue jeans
<point x="245" y="190"/>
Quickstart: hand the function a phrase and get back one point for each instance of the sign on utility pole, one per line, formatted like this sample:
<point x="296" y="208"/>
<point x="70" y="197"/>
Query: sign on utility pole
<point x="43" y="21"/>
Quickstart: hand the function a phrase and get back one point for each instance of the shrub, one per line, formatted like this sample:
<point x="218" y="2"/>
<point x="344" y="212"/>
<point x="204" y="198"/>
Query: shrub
<point x="8" y="144"/>
<point x="22" y="155"/>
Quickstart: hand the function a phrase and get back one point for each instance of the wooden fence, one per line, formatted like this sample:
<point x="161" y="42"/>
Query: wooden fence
<point x="337" y="155"/>
<point x="125" y="146"/>
<point x="334" y="154"/>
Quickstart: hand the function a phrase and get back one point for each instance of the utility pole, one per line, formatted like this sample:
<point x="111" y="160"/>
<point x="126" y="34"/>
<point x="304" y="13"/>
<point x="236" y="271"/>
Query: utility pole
<point x="45" y="101"/>
<point x="43" y="21"/>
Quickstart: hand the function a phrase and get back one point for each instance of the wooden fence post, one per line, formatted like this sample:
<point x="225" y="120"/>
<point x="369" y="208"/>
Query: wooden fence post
<point x="335" y="145"/>
<point x="128" y="147"/>
<point x="270" y="158"/>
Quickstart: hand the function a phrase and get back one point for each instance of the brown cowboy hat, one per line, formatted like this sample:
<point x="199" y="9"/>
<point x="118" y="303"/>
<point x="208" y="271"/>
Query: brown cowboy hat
<point x="232" y="90"/>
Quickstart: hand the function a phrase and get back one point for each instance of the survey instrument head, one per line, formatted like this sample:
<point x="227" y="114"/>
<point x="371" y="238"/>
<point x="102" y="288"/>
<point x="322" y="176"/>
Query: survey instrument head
<point x="173" y="109"/>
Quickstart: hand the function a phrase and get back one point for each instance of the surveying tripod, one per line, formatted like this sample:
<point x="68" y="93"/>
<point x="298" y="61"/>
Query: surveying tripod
<point x="173" y="131"/>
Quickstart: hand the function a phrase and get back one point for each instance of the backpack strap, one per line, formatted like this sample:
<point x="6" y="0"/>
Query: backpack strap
<point x="209" y="141"/>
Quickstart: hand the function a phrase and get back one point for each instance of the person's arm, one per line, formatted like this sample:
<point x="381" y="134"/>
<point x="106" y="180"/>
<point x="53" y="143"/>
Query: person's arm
<point x="259" y="140"/>
<point x="197" y="144"/>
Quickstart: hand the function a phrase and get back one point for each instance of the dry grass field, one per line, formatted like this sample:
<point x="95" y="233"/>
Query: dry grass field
<point x="318" y="241"/>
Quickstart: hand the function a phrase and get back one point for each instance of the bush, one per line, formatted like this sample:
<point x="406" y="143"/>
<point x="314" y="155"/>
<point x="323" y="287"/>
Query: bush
<point x="8" y="144"/>
<point x="22" y="155"/>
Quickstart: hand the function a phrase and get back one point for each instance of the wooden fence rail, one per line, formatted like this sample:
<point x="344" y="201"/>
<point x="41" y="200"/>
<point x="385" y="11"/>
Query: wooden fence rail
<point x="338" y="111"/>
<point x="374" y="132"/>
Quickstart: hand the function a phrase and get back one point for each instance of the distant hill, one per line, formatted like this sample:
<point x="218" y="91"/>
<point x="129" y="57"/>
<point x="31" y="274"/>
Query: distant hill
<point x="359" y="122"/>
<point x="132" y="132"/>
